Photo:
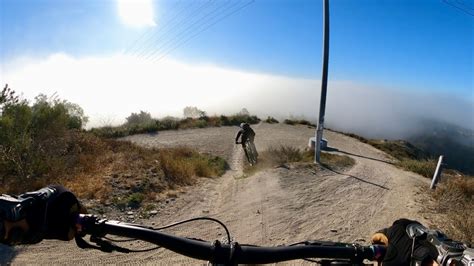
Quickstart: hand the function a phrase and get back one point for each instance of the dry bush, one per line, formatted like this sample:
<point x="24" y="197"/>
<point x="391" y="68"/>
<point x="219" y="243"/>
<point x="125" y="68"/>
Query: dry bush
<point x="455" y="198"/>
<point x="298" y="122"/>
<point x="285" y="154"/>
<point x="176" y="168"/>
<point x="288" y="154"/>
<point x="88" y="186"/>
<point x="183" y="164"/>
<point x="271" y="120"/>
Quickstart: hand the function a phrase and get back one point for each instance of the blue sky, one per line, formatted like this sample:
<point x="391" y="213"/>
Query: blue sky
<point x="397" y="60"/>
<point x="414" y="45"/>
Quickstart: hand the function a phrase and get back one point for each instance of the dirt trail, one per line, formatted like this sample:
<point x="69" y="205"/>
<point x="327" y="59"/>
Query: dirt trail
<point x="273" y="207"/>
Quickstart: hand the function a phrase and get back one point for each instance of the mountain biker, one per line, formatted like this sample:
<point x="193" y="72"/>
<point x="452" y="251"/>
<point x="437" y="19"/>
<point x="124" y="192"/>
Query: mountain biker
<point x="51" y="212"/>
<point x="245" y="133"/>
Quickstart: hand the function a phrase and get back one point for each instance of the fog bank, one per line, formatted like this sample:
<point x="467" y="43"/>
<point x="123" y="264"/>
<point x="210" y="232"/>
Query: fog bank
<point x="110" y="88"/>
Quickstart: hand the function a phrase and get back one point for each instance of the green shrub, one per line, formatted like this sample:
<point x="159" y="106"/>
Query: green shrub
<point x="235" y="120"/>
<point x="134" y="200"/>
<point x="170" y="123"/>
<point x="201" y="123"/>
<point x="8" y="97"/>
<point x="139" y="119"/>
<point x="33" y="139"/>
<point x="271" y="120"/>
<point x="298" y="122"/>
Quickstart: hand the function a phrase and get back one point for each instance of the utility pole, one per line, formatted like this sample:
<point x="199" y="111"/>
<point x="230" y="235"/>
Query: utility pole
<point x="324" y="82"/>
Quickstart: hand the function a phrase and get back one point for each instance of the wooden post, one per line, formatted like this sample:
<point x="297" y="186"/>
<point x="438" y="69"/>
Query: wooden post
<point x="437" y="173"/>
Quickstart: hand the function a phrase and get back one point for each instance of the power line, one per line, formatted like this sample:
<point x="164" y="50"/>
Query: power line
<point x="183" y="41"/>
<point x="460" y="8"/>
<point x="463" y="3"/>
<point x="192" y="25"/>
<point x="183" y="21"/>
<point x="158" y="33"/>
<point x="130" y="47"/>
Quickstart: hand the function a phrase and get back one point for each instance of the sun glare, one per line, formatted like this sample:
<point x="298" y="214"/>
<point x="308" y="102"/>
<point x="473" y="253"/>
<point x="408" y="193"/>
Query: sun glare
<point x="136" y="13"/>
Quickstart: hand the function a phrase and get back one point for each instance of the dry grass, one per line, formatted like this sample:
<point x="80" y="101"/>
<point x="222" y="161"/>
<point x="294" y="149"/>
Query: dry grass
<point x="123" y="173"/>
<point x="334" y="161"/>
<point x="288" y="154"/>
<point x="82" y="155"/>
<point x="424" y="168"/>
<point x="183" y="164"/>
<point x="88" y="186"/>
<point x="282" y="155"/>
<point x="455" y="198"/>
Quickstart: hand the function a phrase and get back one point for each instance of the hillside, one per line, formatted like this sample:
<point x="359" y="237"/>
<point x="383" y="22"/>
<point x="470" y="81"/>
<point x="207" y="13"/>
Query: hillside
<point x="454" y="142"/>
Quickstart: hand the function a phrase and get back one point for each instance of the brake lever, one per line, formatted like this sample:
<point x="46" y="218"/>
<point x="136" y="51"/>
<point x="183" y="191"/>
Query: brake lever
<point x="102" y="245"/>
<point x="107" y="246"/>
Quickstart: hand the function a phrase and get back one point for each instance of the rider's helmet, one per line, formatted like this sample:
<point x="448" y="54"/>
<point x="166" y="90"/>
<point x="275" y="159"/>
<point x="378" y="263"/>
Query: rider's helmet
<point x="244" y="125"/>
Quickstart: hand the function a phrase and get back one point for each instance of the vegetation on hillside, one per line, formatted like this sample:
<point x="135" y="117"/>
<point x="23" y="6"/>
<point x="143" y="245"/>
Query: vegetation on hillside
<point x="41" y="140"/>
<point x="454" y="196"/>
<point x="271" y="120"/>
<point x="43" y="143"/>
<point x="139" y="123"/>
<point x="292" y="122"/>
<point x="457" y="155"/>
<point x="409" y="157"/>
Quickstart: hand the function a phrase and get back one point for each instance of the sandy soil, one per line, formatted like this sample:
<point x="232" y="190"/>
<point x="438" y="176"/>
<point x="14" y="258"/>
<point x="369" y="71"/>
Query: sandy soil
<point x="273" y="207"/>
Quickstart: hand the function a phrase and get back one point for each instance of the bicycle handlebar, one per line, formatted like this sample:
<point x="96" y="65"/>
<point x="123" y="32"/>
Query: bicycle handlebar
<point x="232" y="253"/>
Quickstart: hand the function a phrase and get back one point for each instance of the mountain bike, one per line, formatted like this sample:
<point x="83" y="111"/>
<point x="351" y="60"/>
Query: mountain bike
<point x="229" y="252"/>
<point x="250" y="151"/>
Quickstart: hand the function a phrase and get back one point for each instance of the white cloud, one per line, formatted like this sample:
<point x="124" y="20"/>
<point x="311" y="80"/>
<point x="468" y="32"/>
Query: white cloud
<point x="136" y="13"/>
<point x="110" y="88"/>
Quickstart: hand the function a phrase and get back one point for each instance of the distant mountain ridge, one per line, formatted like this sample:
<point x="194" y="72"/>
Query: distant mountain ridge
<point x="432" y="139"/>
<point x="454" y="142"/>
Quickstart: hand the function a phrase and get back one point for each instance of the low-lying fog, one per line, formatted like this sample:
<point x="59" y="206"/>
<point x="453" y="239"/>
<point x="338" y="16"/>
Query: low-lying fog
<point x="110" y="88"/>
